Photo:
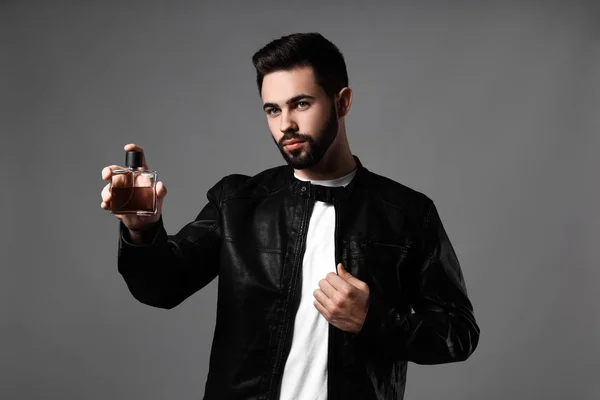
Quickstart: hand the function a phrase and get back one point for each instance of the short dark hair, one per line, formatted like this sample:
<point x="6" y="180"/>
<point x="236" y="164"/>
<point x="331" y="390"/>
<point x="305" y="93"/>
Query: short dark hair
<point x="300" y="50"/>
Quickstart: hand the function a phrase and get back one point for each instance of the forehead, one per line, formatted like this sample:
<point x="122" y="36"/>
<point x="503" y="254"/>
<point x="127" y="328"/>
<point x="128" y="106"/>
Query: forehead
<point x="279" y="86"/>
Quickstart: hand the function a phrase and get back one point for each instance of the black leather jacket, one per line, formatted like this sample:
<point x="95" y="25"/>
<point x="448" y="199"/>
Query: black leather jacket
<point x="252" y="235"/>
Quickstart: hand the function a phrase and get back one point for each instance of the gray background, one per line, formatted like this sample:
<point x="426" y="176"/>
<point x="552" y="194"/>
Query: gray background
<point x="490" y="108"/>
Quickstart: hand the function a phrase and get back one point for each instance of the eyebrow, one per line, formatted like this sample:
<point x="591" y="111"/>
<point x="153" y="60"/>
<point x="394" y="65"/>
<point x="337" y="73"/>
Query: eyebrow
<point x="290" y="101"/>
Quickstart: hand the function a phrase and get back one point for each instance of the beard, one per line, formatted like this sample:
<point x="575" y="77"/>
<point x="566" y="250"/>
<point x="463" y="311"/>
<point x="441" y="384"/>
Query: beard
<point x="317" y="147"/>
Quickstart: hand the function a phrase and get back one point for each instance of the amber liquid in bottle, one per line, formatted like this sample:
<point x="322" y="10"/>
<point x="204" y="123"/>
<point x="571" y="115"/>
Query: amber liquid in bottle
<point x="132" y="199"/>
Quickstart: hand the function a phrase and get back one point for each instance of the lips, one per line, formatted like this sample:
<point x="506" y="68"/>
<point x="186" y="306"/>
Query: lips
<point x="292" y="144"/>
<point x="293" y="141"/>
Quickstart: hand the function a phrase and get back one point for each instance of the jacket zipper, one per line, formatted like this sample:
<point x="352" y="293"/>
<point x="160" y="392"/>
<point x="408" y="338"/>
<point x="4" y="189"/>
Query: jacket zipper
<point x="283" y="346"/>
<point x="331" y="342"/>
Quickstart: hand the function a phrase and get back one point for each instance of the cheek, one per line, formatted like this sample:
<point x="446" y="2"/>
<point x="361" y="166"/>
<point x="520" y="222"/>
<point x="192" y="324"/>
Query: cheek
<point x="306" y="122"/>
<point x="315" y="120"/>
<point x="273" y="128"/>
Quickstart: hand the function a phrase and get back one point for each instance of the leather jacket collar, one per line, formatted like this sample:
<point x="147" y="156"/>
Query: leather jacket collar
<point x="328" y="194"/>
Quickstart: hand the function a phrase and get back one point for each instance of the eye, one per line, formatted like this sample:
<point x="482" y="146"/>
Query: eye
<point x="302" y="104"/>
<point x="271" y="111"/>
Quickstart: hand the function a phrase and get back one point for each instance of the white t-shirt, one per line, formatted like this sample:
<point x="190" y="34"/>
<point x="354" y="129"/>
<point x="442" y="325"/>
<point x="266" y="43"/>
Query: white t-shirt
<point x="305" y="372"/>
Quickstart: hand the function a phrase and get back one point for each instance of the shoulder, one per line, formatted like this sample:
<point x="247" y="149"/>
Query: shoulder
<point x="397" y="194"/>
<point x="238" y="185"/>
<point x="395" y="197"/>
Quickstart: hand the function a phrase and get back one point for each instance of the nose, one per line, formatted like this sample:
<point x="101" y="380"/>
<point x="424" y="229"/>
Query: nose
<point x="287" y="122"/>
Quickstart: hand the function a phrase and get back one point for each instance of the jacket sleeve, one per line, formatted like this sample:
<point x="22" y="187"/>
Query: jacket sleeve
<point x="442" y="328"/>
<point x="171" y="268"/>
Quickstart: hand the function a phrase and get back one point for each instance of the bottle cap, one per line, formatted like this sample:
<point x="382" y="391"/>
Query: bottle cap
<point x="133" y="159"/>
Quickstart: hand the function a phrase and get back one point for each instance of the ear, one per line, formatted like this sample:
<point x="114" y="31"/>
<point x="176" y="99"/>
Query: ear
<point x="344" y="101"/>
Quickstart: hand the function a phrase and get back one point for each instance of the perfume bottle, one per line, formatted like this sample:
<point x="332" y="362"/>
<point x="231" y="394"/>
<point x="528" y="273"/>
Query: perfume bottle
<point x="133" y="189"/>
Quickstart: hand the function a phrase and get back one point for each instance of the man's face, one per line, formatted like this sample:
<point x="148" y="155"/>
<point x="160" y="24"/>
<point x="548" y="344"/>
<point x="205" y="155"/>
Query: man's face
<point x="298" y="109"/>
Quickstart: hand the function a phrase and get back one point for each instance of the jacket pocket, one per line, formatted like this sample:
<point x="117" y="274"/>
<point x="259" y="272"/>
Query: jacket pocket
<point x="402" y="244"/>
<point x="386" y="255"/>
<point x="386" y="263"/>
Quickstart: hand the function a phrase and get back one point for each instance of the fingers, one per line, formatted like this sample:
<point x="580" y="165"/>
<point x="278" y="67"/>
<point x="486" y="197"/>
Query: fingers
<point x="106" y="193"/>
<point x="338" y="283"/>
<point x="161" y="190"/>
<point x="107" y="176"/>
<point x="135" y="147"/>
<point x="323" y="300"/>
<point x="327" y="288"/>
<point x="106" y="196"/>
<point x="323" y="310"/>
<point x="107" y="171"/>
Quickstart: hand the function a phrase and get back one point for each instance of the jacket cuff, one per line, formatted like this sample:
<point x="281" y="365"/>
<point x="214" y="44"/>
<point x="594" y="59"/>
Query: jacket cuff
<point x="157" y="234"/>
<point x="154" y="232"/>
<point x="374" y="320"/>
<point x="384" y="329"/>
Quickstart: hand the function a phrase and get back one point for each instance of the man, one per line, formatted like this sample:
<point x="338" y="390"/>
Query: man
<point x="319" y="261"/>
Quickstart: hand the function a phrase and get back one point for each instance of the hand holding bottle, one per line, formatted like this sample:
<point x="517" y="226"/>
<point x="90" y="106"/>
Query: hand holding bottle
<point x="133" y="195"/>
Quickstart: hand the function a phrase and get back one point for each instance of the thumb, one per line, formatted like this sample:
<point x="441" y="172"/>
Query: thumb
<point x="348" y="277"/>
<point x="161" y="190"/>
<point x="343" y="273"/>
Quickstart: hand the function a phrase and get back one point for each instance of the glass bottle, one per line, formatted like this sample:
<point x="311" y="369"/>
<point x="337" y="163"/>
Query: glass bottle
<point x="133" y="188"/>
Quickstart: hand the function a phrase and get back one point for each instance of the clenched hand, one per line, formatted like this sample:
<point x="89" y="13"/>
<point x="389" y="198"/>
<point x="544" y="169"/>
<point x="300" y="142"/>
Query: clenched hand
<point x="343" y="300"/>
